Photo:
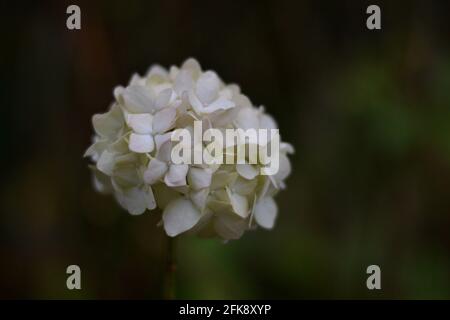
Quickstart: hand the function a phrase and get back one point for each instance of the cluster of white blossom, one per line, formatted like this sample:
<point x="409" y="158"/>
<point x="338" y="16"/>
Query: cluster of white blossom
<point x="132" y="154"/>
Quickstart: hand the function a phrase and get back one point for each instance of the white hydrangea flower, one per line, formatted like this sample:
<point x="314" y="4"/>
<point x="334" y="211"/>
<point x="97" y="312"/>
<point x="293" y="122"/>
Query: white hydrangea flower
<point x="132" y="149"/>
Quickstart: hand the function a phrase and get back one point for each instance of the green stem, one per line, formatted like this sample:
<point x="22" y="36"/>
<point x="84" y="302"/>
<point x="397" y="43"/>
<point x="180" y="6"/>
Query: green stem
<point x="169" y="285"/>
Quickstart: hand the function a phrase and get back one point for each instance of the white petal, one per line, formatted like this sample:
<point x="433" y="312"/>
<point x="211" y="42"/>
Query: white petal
<point x="135" y="200"/>
<point x="266" y="187"/>
<point x="118" y="93"/>
<point x="234" y="88"/>
<point x="125" y="174"/>
<point x="238" y="203"/>
<point x="138" y="99"/>
<point x="193" y="66"/>
<point x="286" y="148"/>
<point x="199" y="178"/>
<point x="266" y="212"/>
<point x="208" y="87"/>
<point x="284" y="169"/>
<point x="108" y="124"/>
<point x="120" y="146"/>
<point x="220" y="104"/>
<point x="243" y="101"/>
<point x="224" y="118"/>
<point x="179" y="216"/>
<point x="156" y="170"/>
<point x="176" y="176"/>
<point x="136" y="79"/>
<point x="164" y="194"/>
<point x="205" y="226"/>
<point x="226" y="93"/>
<point x="199" y="198"/>
<point x="229" y="226"/>
<point x="160" y="139"/>
<point x="140" y="123"/>
<point x="267" y="122"/>
<point x="164" y="120"/>
<point x="96" y="149"/>
<point x="173" y="72"/>
<point x="247" y="119"/>
<point x="163" y="98"/>
<point x="247" y="171"/>
<point x="102" y="182"/>
<point x="165" y="152"/>
<point x="150" y="198"/>
<point x="245" y="187"/>
<point x="196" y="104"/>
<point x="141" y="143"/>
<point x="106" y="162"/>
<point x="181" y="105"/>
<point x="158" y="89"/>
<point x="275" y="183"/>
<point x="183" y="82"/>
<point x="222" y="178"/>
<point x="157" y="73"/>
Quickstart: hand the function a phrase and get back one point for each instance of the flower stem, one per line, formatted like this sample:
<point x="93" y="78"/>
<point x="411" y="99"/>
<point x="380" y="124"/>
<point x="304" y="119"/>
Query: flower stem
<point x="169" y="281"/>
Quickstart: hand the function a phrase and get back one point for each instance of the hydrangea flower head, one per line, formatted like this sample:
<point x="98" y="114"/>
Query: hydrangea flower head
<point x="133" y="145"/>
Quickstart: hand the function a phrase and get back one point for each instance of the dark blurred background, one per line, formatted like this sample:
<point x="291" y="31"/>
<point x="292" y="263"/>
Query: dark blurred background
<point x="367" y="111"/>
